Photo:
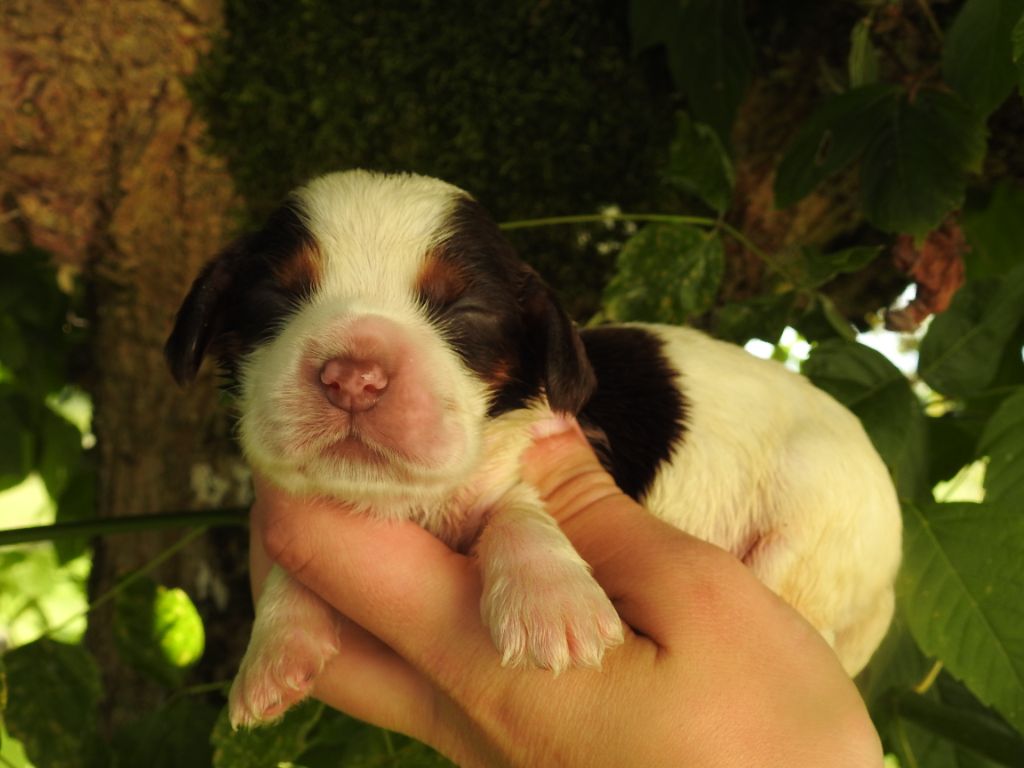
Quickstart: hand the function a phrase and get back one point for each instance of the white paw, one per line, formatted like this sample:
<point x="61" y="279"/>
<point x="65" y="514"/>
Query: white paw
<point x="554" y="615"/>
<point x="278" y="671"/>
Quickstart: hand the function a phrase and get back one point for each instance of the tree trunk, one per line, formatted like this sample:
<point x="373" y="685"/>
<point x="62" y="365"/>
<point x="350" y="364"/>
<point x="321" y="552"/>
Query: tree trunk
<point x="104" y="167"/>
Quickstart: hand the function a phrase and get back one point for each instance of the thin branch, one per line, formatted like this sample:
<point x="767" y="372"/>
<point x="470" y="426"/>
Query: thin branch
<point x="930" y="18"/>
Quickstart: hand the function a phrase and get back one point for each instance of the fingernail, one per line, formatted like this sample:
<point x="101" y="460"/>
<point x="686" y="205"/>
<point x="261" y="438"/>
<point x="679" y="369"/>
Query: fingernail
<point x="556" y="424"/>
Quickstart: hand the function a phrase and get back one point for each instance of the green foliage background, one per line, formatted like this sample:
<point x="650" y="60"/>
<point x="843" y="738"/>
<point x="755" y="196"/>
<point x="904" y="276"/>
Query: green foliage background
<point x="557" y="108"/>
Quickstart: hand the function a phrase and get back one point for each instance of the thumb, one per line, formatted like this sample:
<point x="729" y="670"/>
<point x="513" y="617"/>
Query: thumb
<point x="638" y="559"/>
<point x="562" y="466"/>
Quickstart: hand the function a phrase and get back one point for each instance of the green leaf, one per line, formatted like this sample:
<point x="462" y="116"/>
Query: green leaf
<point x="951" y="446"/>
<point x="879" y="394"/>
<point x="964" y="346"/>
<point x="53" y="691"/>
<point x="1018" y="40"/>
<point x="665" y="273"/>
<point x="822" y="267"/>
<point x="17" y="443"/>
<point x="973" y="730"/>
<point x="711" y="59"/>
<point x="833" y="137"/>
<point x="914" y="171"/>
<point x="174" y="735"/>
<point x="761" y="317"/>
<point x="281" y="742"/>
<point x="39" y="594"/>
<point x="995" y="233"/>
<point x="977" y="58"/>
<point x="1003" y="443"/>
<point x="157" y="630"/>
<point x="339" y="740"/>
<point x="699" y="164"/>
<point x="963" y="578"/>
<point x="653" y="22"/>
<point x="1018" y="52"/>
<point x="835" y="319"/>
<point x="60" y="452"/>
<point x="862" y="64"/>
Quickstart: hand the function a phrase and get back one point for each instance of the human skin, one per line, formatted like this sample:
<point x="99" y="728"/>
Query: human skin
<point x="715" y="669"/>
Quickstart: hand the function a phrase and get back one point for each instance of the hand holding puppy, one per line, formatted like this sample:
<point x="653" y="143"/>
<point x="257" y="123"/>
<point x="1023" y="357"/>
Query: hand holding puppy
<point x="715" y="669"/>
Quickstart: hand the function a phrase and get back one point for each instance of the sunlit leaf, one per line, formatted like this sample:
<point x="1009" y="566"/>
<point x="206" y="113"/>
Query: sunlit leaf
<point x="963" y="596"/>
<point x="158" y="630"/>
<point x="964" y="347"/>
<point x="876" y="391"/>
<point x="53" y="691"/>
<point x="38" y="594"/>
<point x="977" y="57"/>
<point x="665" y="273"/>
<point x="1003" y="442"/>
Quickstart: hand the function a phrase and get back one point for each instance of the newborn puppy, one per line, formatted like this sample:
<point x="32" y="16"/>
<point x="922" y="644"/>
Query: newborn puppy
<point x="390" y="350"/>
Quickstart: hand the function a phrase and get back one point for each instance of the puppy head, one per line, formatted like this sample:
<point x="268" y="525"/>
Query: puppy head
<point x="371" y="327"/>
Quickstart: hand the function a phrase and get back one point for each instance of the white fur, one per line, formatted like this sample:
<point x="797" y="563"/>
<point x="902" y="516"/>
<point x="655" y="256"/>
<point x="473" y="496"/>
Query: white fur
<point x="770" y="468"/>
<point x="768" y="454"/>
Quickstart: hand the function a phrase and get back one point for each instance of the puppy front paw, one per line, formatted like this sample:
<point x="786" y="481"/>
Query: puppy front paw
<point x="277" y="672"/>
<point x="554" y="616"/>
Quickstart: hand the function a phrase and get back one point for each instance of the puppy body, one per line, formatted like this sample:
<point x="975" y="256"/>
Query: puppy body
<point x="391" y="351"/>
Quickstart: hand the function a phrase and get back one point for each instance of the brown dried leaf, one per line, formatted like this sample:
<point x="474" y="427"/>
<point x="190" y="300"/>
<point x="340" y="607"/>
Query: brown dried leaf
<point x="938" y="269"/>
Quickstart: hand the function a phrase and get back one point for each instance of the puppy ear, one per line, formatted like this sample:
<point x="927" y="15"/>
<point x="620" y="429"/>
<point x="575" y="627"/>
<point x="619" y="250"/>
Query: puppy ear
<point x="200" y="317"/>
<point x="564" y="368"/>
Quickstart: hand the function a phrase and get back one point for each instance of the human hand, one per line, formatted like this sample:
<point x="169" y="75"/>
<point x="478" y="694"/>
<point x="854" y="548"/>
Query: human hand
<point x="715" y="669"/>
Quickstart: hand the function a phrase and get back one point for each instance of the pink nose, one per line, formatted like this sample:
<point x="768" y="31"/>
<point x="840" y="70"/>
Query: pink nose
<point x="353" y="385"/>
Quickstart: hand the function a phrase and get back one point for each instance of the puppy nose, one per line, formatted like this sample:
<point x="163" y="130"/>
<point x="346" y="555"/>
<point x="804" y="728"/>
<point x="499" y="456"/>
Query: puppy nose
<point x="353" y="385"/>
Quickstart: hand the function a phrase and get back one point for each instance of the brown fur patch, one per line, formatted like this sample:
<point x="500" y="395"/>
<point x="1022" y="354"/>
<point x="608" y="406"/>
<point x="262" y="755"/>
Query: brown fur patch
<point x="299" y="272"/>
<point x="441" y="280"/>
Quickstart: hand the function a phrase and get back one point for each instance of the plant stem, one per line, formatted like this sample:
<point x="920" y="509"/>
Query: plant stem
<point x="661" y="218"/>
<point x="124" y="583"/>
<point x="929" y="679"/>
<point x="120" y="525"/>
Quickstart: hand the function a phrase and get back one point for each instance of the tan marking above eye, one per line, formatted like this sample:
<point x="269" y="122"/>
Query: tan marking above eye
<point x="440" y="281"/>
<point x="300" y="272"/>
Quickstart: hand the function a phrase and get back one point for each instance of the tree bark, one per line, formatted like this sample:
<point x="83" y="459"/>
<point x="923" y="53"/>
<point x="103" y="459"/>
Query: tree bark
<point x="104" y="167"/>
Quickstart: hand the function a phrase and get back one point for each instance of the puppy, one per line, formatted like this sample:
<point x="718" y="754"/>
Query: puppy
<point x="391" y="350"/>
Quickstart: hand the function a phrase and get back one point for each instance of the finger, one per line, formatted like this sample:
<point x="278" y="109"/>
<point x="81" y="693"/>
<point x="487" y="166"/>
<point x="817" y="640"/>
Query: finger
<point x="367" y="679"/>
<point x="259" y="561"/>
<point x="370" y="681"/>
<point x="393" y="578"/>
<point x="652" y="570"/>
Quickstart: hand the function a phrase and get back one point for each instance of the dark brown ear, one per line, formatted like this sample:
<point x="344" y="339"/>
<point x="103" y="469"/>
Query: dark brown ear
<point x="241" y="297"/>
<point x="565" y="370"/>
<point x="200" y="317"/>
